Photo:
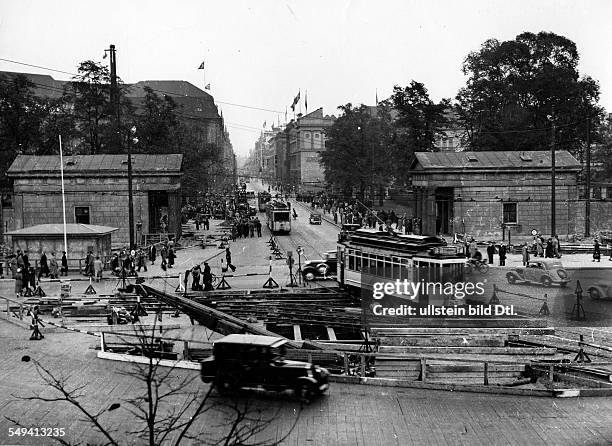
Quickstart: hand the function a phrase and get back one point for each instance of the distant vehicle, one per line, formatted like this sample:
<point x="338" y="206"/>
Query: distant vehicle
<point x="315" y="219"/>
<point x="242" y="360"/>
<point x="328" y="266"/>
<point x="262" y="199"/>
<point x="600" y="291"/>
<point x="278" y="215"/>
<point x="545" y="272"/>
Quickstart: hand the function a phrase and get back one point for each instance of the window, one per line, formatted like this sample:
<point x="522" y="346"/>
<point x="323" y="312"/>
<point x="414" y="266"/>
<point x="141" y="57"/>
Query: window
<point x="317" y="135"/>
<point x="509" y="211"/>
<point x="81" y="214"/>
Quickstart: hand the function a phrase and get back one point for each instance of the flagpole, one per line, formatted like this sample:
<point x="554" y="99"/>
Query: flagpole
<point x="63" y="194"/>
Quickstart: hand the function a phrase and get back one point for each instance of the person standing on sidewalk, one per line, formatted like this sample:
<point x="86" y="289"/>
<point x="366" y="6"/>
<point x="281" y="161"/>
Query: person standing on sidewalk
<point x="525" y="252"/>
<point x="98" y="267"/>
<point x="490" y="252"/>
<point x="152" y="254"/>
<point x="228" y="258"/>
<point x="502" y="255"/>
<point x="596" y="251"/>
<point x="64" y="269"/>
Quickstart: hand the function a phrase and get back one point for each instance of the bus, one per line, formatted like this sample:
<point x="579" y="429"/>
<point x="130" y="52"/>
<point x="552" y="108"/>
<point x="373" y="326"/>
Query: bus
<point x="278" y="215"/>
<point x="368" y="255"/>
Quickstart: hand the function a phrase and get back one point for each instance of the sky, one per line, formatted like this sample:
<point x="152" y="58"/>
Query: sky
<point x="259" y="54"/>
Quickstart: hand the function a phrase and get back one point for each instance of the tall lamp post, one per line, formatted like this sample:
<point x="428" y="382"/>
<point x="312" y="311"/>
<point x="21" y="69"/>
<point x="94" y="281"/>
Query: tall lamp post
<point x="131" y="140"/>
<point x="553" y="203"/>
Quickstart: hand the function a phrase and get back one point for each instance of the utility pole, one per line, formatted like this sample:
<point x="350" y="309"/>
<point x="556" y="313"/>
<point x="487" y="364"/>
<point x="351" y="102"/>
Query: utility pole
<point x="553" y="203"/>
<point x="115" y="99"/>
<point x="587" y="212"/>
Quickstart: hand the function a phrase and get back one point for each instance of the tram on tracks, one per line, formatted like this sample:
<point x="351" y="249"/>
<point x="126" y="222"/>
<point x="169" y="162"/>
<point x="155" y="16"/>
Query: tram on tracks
<point x="263" y="198"/>
<point x="368" y="255"/>
<point x="278" y="215"/>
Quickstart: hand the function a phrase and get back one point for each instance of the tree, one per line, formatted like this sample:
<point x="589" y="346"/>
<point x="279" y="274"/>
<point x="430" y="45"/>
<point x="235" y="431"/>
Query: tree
<point x="157" y="124"/>
<point x="89" y="95"/>
<point x="21" y="116"/>
<point x="516" y="88"/>
<point x="419" y="120"/>
<point x="167" y="408"/>
<point x="357" y="155"/>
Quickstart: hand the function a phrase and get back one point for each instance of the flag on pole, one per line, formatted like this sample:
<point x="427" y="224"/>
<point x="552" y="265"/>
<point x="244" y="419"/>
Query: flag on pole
<point x="207" y="87"/>
<point x="306" y="101"/>
<point x="201" y="67"/>
<point x="285" y="114"/>
<point x="295" y="101"/>
<point x="377" y="96"/>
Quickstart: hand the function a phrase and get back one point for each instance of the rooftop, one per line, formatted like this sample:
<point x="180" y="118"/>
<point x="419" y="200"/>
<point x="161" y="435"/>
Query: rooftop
<point x="72" y="229"/>
<point x="28" y="165"/>
<point x="494" y="160"/>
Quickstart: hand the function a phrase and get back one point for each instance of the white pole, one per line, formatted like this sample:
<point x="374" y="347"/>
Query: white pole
<point x="63" y="195"/>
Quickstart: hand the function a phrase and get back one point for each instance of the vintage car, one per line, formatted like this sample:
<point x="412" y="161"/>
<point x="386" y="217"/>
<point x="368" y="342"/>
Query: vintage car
<point x="546" y="272"/>
<point x="253" y="361"/>
<point x="600" y="291"/>
<point x="315" y="219"/>
<point x="321" y="267"/>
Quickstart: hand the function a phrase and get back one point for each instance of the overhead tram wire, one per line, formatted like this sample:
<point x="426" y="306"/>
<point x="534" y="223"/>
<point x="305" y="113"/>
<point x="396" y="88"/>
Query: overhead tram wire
<point x="51" y="88"/>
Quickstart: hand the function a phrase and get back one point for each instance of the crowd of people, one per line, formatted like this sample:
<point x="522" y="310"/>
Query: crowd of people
<point x="27" y="275"/>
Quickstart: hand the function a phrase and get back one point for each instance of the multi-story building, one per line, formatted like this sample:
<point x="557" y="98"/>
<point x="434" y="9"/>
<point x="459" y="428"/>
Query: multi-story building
<point x="305" y="142"/>
<point x="452" y="135"/>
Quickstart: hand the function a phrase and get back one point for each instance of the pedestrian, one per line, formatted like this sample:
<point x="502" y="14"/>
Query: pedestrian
<point x="64" y="269"/>
<point x="556" y="246"/>
<point x="251" y="228"/>
<point x="490" y="252"/>
<point x="171" y="256"/>
<point x="258" y="227"/>
<point x="335" y="217"/>
<point x="197" y="223"/>
<point x="596" y="251"/>
<point x="228" y="258"/>
<point x="18" y="282"/>
<point x="473" y="247"/>
<point x="548" y="250"/>
<point x="502" y="255"/>
<point x="152" y="254"/>
<point x="163" y="252"/>
<point x="539" y="246"/>
<point x="196" y="274"/>
<point x="207" y="278"/>
<point x="140" y="260"/>
<point x="53" y="268"/>
<point x="36" y="334"/>
<point x="44" y="266"/>
<point x="525" y="252"/>
<point x="97" y="268"/>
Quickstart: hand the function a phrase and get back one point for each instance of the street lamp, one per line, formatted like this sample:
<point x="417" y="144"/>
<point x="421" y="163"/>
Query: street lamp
<point x="131" y="140"/>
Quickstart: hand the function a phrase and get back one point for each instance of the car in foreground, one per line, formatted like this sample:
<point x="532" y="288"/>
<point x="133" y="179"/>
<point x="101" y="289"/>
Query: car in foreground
<point x="315" y="219"/>
<point x="321" y="268"/>
<point x="545" y="272"/>
<point x="253" y="361"/>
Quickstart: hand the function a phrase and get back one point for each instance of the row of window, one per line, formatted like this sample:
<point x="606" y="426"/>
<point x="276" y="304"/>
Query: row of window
<point x="393" y="267"/>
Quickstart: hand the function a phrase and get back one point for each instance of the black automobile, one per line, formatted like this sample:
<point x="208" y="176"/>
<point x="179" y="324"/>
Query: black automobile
<point x="242" y="360"/>
<point x="315" y="219"/>
<point x="321" y="268"/>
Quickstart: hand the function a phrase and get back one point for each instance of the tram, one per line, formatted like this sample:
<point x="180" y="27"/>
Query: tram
<point x="368" y="255"/>
<point x="278" y="215"/>
<point x="262" y="199"/>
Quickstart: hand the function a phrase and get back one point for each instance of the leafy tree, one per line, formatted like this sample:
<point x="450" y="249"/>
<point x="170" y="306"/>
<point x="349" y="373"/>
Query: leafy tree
<point x="516" y="88"/>
<point x="21" y="115"/>
<point x="89" y="94"/>
<point x="418" y="122"/>
<point x="157" y="124"/>
<point x="357" y="155"/>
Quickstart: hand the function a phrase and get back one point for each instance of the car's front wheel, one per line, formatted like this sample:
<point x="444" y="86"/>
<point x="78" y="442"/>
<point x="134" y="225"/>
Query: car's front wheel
<point x="594" y="293"/>
<point x="225" y="385"/>
<point x="305" y="392"/>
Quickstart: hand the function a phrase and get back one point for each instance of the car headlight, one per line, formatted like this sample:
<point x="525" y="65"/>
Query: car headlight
<point x="562" y="273"/>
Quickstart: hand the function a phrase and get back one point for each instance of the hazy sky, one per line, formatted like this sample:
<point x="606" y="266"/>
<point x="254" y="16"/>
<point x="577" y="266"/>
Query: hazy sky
<point x="259" y="53"/>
